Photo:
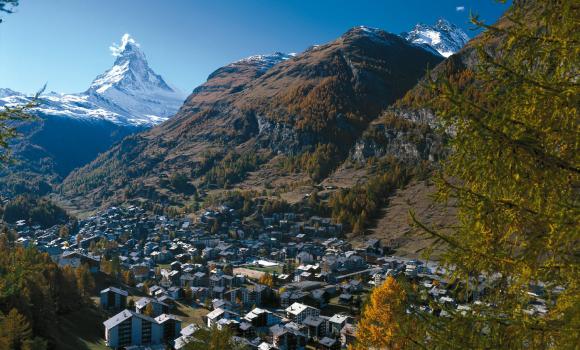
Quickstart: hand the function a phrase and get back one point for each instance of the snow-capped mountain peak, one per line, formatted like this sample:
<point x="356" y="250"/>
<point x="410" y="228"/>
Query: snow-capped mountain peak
<point x="129" y="93"/>
<point x="131" y="73"/>
<point x="127" y="48"/>
<point x="132" y="88"/>
<point x="445" y="37"/>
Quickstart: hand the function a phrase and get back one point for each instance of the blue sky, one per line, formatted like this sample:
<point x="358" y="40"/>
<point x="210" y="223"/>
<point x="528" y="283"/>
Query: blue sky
<point x="65" y="43"/>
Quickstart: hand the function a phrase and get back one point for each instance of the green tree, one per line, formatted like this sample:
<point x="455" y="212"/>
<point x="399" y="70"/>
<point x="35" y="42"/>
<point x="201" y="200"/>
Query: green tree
<point x="215" y="227"/>
<point x="35" y="210"/>
<point x="188" y="294"/>
<point x="10" y="115"/>
<point x="129" y="278"/>
<point x="7" y="6"/>
<point x="513" y="171"/>
<point x="115" y="266"/>
<point x="33" y="284"/>
<point x="70" y="296"/>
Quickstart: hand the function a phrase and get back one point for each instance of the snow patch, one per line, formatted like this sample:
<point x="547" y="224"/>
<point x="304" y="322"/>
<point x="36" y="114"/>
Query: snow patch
<point x="444" y="37"/>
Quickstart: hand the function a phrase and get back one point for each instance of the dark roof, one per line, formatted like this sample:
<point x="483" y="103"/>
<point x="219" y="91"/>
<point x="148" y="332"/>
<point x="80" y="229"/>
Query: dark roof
<point x="313" y="321"/>
<point x="327" y="341"/>
<point x="115" y="290"/>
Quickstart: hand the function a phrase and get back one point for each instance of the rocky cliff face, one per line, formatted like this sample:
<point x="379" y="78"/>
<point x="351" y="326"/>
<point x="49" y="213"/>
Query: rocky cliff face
<point x="406" y="134"/>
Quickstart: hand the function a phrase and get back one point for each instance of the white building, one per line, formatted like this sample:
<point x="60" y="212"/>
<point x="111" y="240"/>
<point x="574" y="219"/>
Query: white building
<point x="128" y="328"/>
<point x="297" y="312"/>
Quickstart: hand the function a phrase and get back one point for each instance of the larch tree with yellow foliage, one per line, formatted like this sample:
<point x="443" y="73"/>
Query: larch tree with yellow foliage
<point x="384" y="323"/>
<point x="514" y="172"/>
<point x="510" y="106"/>
<point x="267" y="279"/>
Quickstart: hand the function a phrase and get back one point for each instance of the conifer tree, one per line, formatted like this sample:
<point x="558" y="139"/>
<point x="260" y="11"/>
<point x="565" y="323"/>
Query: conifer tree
<point x="513" y="171"/>
<point x="14" y="330"/>
<point x="85" y="280"/>
<point x="36" y="343"/>
<point x="383" y="319"/>
<point x="267" y="279"/>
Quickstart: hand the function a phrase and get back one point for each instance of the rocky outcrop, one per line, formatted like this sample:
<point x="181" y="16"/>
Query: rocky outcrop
<point x="408" y="135"/>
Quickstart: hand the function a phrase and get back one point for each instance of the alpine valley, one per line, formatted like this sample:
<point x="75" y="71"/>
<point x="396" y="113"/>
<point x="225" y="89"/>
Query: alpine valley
<point x="371" y="190"/>
<point x="281" y="125"/>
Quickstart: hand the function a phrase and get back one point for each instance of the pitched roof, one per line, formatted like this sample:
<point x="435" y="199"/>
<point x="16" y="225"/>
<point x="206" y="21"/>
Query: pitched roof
<point x="125" y="315"/>
<point x="215" y="313"/>
<point x="115" y="290"/>
<point x="141" y="303"/>
<point x="118" y="318"/>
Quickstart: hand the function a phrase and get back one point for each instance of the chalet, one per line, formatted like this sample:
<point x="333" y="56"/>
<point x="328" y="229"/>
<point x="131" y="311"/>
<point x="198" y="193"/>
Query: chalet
<point x="113" y="298"/>
<point x="261" y="318"/>
<point x="216" y="315"/>
<point x="345" y="298"/>
<point x="316" y="327"/>
<point x="76" y="259"/>
<point x="253" y="294"/>
<point x="246" y="330"/>
<point x="158" y="307"/>
<point x="186" y="336"/>
<point x="287" y="337"/>
<point x="175" y="292"/>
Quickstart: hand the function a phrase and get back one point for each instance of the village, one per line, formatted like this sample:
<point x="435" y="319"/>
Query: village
<point x="290" y="283"/>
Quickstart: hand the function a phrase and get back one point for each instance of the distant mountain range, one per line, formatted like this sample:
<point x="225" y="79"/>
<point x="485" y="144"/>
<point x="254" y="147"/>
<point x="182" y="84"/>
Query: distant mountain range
<point x="280" y="103"/>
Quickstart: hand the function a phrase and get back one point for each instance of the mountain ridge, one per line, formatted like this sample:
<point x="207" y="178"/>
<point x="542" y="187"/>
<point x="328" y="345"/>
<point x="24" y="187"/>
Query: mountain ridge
<point x="325" y="95"/>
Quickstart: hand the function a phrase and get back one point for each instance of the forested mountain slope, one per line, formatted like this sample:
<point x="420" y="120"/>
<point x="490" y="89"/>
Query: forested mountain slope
<point x="243" y="116"/>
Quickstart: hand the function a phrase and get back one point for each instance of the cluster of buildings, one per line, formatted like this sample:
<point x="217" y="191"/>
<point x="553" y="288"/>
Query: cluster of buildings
<point x="284" y="281"/>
